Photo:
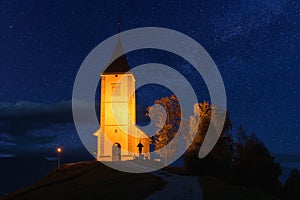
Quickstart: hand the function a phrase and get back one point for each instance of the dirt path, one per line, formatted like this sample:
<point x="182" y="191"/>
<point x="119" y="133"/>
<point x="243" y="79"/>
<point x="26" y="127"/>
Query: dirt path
<point x="178" y="187"/>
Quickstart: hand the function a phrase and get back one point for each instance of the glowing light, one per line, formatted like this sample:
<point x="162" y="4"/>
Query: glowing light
<point x="59" y="150"/>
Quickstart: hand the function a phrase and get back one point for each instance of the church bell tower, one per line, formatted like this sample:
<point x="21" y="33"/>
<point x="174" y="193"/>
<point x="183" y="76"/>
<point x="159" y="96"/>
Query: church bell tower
<point x="118" y="136"/>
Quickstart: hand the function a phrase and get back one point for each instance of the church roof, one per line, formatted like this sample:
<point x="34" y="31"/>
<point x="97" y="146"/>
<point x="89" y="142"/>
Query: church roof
<point x="120" y="64"/>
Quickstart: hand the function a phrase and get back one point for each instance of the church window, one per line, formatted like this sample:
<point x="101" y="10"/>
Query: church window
<point x="116" y="89"/>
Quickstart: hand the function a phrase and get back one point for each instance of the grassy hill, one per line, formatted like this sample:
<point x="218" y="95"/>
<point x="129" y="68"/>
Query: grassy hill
<point x="215" y="189"/>
<point x="90" y="180"/>
<point x="94" y="180"/>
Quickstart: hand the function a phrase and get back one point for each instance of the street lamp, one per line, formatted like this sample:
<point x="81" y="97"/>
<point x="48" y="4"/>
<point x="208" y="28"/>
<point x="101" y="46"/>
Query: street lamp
<point x="58" y="150"/>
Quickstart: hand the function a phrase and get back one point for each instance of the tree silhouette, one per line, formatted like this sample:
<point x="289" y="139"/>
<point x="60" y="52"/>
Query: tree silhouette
<point x="253" y="164"/>
<point x="291" y="187"/>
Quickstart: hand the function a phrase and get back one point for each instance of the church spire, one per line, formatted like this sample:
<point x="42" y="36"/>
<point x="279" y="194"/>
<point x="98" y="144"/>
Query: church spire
<point x="120" y="64"/>
<point x="119" y="24"/>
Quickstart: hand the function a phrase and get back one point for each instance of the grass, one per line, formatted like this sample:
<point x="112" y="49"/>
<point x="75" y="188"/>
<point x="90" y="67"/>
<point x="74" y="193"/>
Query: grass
<point x="90" y="180"/>
<point x="177" y="170"/>
<point x="94" y="180"/>
<point x="215" y="189"/>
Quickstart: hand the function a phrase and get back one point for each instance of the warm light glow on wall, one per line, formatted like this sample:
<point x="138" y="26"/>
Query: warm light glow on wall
<point x="118" y="117"/>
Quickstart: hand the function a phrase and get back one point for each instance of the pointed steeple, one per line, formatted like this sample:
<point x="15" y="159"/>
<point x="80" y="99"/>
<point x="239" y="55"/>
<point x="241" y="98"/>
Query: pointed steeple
<point x="120" y="64"/>
<point x="119" y="24"/>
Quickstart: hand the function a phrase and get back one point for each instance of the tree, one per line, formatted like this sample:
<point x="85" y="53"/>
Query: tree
<point x="167" y="126"/>
<point x="291" y="187"/>
<point x="218" y="162"/>
<point x="202" y="114"/>
<point x="253" y="164"/>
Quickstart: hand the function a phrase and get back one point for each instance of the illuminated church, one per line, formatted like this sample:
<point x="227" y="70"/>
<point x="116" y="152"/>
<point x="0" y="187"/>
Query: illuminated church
<point x="119" y="138"/>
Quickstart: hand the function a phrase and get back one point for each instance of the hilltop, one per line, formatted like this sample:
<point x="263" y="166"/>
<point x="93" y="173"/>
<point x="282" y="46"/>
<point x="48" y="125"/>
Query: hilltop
<point x="95" y="180"/>
<point x="90" y="180"/>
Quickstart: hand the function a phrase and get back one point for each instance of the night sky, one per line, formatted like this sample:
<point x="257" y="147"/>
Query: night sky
<point x="255" y="45"/>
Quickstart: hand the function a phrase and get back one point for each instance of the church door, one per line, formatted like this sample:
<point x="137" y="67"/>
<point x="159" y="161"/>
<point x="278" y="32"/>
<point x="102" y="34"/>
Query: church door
<point x="116" y="152"/>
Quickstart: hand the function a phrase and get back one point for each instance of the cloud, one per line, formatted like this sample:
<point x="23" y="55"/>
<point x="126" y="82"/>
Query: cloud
<point x="16" y="119"/>
<point x="29" y="124"/>
<point x="5" y="143"/>
<point x="60" y="112"/>
<point x="3" y="155"/>
<point x="6" y="137"/>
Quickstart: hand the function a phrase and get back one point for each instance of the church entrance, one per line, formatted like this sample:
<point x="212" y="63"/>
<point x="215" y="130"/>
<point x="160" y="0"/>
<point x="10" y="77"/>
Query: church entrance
<point x="116" y="152"/>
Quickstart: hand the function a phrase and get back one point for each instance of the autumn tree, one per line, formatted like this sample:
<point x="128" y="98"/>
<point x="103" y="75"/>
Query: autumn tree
<point x="168" y="126"/>
<point x="218" y="161"/>
<point x="202" y="113"/>
<point x="167" y="122"/>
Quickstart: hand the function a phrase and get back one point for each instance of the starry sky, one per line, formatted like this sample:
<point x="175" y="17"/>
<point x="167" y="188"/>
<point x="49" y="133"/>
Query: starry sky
<point x="255" y="45"/>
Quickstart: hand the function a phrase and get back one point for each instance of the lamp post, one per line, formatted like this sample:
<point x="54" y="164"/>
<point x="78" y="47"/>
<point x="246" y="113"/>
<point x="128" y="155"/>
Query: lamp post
<point x="58" y="150"/>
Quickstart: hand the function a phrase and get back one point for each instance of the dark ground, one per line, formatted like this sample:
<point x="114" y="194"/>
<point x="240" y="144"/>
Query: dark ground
<point x="90" y="180"/>
<point x="94" y="180"/>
